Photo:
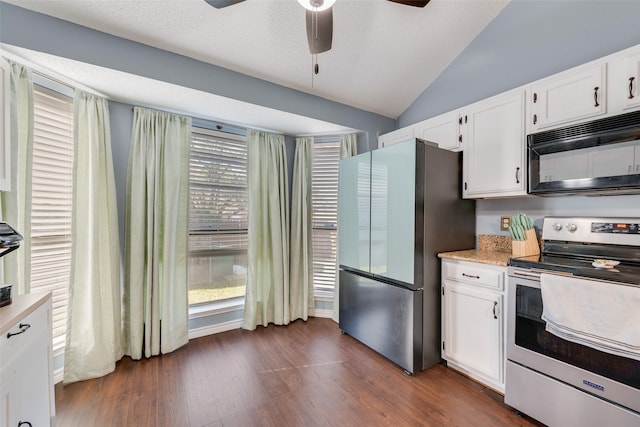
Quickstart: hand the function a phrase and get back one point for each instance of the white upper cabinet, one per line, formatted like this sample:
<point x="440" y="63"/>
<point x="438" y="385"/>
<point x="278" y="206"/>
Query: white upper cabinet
<point x="5" y="127"/>
<point x="624" y="81"/>
<point x="443" y="130"/>
<point x="568" y="97"/>
<point x="399" y="135"/>
<point x="493" y="135"/>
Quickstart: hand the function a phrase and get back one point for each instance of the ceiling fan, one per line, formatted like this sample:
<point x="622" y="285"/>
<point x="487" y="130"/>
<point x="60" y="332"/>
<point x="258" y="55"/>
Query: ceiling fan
<point x="319" y="19"/>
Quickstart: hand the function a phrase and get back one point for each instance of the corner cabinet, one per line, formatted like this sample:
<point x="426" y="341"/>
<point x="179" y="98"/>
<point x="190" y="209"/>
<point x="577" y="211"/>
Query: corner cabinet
<point x="473" y="320"/>
<point x="26" y="376"/>
<point x="5" y="126"/>
<point x="493" y="137"/>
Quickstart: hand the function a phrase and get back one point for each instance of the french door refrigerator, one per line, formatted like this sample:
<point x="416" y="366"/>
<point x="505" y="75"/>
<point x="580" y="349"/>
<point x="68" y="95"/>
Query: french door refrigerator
<point x="398" y="207"/>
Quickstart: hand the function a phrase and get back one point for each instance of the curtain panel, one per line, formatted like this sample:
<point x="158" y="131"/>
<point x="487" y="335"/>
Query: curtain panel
<point x="267" y="294"/>
<point x="93" y="337"/>
<point x="301" y="260"/>
<point x="16" y="204"/>
<point x="348" y="148"/>
<point x="156" y="234"/>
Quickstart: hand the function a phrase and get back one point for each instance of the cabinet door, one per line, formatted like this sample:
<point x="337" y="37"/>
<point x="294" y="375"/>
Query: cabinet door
<point x="354" y="200"/>
<point x="393" y="211"/>
<point x="473" y="321"/>
<point x="494" y="147"/>
<point x="631" y="82"/>
<point x="569" y="97"/>
<point x="5" y="127"/>
<point x="443" y="130"/>
<point x="396" y="136"/>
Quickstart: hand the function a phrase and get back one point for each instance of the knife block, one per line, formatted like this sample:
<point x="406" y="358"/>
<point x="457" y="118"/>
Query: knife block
<point x="526" y="247"/>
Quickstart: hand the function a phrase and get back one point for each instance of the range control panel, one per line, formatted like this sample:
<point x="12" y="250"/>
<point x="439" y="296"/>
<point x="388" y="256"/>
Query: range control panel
<point x="603" y="230"/>
<point x="615" y="227"/>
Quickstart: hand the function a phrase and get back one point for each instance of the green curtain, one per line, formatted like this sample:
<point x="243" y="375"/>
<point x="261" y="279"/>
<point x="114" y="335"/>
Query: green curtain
<point x="301" y="262"/>
<point x="267" y="294"/>
<point x="348" y="148"/>
<point x="93" y="337"/>
<point x="16" y="204"/>
<point x="156" y="234"/>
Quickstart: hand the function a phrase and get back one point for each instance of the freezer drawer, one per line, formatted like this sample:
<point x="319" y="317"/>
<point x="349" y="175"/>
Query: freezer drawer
<point x="385" y="317"/>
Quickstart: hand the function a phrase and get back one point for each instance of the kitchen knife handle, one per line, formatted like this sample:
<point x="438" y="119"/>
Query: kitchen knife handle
<point x="495" y="304"/>
<point x="595" y="96"/>
<point x="631" y="79"/>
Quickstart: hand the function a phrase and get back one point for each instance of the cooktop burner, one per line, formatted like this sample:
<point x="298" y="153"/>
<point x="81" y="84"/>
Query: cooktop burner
<point x="572" y="245"/>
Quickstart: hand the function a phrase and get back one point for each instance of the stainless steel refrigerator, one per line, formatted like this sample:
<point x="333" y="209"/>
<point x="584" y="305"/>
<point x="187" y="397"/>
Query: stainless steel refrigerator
<point x="398" y="207"/>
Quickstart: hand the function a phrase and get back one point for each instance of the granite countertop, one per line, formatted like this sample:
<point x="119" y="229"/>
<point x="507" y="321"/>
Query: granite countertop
<point x="492" y="249"/>
<point x="477" y="255"/>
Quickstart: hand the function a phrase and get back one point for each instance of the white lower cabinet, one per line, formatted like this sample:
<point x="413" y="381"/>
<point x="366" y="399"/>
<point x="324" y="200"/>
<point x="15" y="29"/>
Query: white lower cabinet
<point x="26" y="379"/>
<point x="473" y="321"/>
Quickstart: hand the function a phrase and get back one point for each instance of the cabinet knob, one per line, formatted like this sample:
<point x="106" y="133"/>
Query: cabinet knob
<point x="631" y="79"/>
<point x="595" y="96"/>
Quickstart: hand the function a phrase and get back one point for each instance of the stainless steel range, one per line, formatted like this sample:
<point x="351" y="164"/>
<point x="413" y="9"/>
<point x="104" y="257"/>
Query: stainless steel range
<point x="573" y="331"/>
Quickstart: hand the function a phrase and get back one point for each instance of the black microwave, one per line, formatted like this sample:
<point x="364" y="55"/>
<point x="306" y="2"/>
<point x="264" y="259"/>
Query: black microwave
<point x="597" y="157"/>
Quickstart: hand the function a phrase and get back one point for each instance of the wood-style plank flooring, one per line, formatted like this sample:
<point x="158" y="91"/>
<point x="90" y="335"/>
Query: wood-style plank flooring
<point x="305" y="374"/>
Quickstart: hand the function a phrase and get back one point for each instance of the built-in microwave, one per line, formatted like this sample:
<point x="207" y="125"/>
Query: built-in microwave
<point x="597" y="157"/>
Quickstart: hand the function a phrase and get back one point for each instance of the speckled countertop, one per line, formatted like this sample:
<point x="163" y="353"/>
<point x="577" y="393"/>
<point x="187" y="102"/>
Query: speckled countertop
<point x="495" y="250"/>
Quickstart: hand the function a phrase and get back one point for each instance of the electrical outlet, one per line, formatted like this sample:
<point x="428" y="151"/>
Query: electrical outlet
<point x="505" y="222"/>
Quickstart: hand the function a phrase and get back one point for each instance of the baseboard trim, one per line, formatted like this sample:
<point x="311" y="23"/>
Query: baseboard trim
<point x="323" y="313"/>
<point x="215" y="329"/>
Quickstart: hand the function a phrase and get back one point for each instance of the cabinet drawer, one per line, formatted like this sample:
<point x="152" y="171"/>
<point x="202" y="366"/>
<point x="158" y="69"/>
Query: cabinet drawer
<point x="12" y="346"/>
<point x="475" y="273"/>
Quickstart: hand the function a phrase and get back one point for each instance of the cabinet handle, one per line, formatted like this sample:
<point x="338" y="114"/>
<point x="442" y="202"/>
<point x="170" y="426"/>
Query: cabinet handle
<point x="465" y="185"/>
<point x="460" y="138"/>
<point x="465" y="118"/>
<point x="495" y="304"/>
<point x="595" y="96"/>
<point x="535" y="119"/>
<point x="631" y="79"/>
<point x="23" y="328"/>
<point x="470" y="276"/>
<point x="535" y="98"/>
<point x="24" y="423"/>
<point x="637" y="168"/>
<point x="518" y="175"/>
<point x="460" y="120"/>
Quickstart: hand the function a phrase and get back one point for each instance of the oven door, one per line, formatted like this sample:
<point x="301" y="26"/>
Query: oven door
<point x="611" y="377"/>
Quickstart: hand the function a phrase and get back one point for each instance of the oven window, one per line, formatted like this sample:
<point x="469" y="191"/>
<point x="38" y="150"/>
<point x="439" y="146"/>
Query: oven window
<point x="531" y="334"/>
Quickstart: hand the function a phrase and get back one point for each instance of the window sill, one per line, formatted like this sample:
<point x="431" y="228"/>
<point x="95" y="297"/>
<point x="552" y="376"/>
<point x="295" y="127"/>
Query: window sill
<point x="216" y="307"/>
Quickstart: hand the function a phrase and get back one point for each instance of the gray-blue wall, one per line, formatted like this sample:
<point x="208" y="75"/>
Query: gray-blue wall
<point x="527" y="41"/>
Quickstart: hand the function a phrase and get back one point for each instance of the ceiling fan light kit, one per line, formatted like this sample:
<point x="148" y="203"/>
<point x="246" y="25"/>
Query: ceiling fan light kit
<point x="316" y="5"/>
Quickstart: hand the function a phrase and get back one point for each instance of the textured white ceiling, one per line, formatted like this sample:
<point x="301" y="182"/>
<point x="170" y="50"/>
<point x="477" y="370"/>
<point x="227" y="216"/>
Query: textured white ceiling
<point x="384" y="54"/>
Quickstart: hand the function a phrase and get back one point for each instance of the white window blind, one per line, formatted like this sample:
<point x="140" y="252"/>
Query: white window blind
<point x="218" y="216"/>
<point x="324" y="199"/>
<point x="51" y="208"/>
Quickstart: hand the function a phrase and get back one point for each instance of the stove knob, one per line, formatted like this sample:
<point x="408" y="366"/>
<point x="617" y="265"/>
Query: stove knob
<point x="572" y="227"/>
<point x="557" y="226"/>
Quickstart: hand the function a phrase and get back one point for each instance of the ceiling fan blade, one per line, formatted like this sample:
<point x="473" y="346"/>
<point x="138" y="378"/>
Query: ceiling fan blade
<point x="219" y="4"/>
<point x="416" y="3"/>
<point x="320" y="30"/>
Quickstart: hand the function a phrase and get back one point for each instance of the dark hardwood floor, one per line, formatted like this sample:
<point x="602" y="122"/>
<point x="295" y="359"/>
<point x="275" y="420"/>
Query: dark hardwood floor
<point x="305" y="374"/>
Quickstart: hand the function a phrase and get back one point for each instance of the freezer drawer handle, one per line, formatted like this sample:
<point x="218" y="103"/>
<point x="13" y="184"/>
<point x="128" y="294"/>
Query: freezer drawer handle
<point x="23" y="328"/>
<point x="470" y="276"/>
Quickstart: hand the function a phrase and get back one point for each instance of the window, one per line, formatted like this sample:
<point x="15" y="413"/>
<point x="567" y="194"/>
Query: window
<point x="52" y="190"/>
<point x="324" y="218"/>
<point x="218" y="216"/>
